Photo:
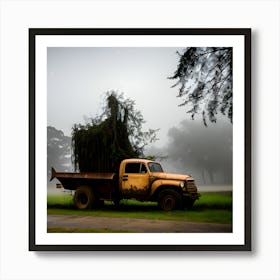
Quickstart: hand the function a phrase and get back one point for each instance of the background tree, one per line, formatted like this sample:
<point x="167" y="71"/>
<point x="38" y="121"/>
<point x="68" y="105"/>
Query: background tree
<point x="102" y="143"/>
<point x="205" y="79"/>
<point x="58" y="150"/>
<point x="206" y="154"/>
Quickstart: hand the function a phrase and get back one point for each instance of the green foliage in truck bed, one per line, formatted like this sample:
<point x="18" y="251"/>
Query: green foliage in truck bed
<point x="102" y="143"/>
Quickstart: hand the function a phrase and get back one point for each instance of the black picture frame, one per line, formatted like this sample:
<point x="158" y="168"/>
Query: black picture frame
<point x="244" y="33"/>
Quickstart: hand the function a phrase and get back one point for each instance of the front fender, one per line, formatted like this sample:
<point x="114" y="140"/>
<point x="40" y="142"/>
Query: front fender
<point x="168" y="183"/>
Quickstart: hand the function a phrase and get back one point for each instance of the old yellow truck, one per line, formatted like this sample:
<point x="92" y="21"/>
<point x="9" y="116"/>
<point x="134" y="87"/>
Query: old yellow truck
<point x="139" y="179"/>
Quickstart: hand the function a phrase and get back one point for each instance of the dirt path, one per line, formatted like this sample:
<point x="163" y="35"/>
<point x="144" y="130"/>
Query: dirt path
<point x="132" y="225"/>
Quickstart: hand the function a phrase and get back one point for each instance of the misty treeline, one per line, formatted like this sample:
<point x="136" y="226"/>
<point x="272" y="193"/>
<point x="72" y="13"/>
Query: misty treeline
<point x="204" y="77"/>
<point x="203" y="152"/>
<point x="58" y="150"/>
<point x="104" y="141"/>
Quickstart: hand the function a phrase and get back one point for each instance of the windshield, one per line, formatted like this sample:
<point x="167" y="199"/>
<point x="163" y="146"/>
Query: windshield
<point x="155" y="167"/>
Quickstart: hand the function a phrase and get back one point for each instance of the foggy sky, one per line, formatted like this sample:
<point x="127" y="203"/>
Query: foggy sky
<point x="203" y="152"/>
<point x="79" y="77"/>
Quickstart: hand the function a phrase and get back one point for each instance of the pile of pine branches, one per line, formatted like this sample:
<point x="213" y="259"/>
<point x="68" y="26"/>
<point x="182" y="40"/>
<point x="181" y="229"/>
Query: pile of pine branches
<point x="102" y="143"/>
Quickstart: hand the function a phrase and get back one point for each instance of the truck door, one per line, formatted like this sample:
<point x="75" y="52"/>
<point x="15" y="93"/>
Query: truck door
<point x="135" y="180"/>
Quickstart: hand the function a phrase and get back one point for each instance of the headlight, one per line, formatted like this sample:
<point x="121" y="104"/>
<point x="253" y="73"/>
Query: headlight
<point x="182" y="184"/>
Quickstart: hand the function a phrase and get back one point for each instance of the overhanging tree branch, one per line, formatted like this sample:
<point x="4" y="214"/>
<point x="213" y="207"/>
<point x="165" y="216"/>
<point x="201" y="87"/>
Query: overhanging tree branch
<point x="202" y="74"/>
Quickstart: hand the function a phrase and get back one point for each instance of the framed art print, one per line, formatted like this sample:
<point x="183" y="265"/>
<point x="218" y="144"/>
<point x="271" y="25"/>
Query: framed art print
<point x="140" y="139"/>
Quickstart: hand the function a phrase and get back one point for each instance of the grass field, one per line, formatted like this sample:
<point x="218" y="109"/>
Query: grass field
<point x="211" y="207"/>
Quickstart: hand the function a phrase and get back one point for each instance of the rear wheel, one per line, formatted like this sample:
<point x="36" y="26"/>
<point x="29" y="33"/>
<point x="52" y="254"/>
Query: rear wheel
<point x="169" y="200"/>
<point x="83" y="198"/>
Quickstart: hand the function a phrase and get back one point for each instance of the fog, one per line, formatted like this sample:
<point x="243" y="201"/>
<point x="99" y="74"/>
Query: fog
<point x="79" y="77"/>
<point x="77" y="80"/>
<point x="193" y="149"/>
<point x="203" y="152"/>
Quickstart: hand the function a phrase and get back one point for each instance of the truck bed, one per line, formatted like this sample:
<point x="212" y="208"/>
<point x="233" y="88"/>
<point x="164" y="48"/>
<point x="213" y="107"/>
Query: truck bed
<point x="103" y="181"/>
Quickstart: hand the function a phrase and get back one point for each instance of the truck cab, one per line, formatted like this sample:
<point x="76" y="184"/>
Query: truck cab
<point x="145" y="180"/>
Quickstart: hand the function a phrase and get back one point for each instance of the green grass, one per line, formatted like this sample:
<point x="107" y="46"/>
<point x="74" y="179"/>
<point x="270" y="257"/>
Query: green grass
<point x="215" y="200"/>
<point x="63" y="200"/>
<point x="211" y="207"/>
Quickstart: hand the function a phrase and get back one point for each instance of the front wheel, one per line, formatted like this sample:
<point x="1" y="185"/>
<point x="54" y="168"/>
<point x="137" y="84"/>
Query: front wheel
<point x="169" y="200"/>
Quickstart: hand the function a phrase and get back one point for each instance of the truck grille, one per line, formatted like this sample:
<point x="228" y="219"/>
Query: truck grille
<point x="191" y="187"/>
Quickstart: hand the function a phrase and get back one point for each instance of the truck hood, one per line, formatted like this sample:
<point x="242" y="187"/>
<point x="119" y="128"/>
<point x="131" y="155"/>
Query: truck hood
<point x="171" y="176"/>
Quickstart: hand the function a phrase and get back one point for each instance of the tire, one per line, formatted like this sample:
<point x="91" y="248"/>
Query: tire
<point x="83" y="198"/>
<point x="169" y="200"/>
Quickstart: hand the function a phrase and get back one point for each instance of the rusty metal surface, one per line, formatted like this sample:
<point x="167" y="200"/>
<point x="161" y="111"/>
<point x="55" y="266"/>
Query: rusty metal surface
<point x="86" y="175"/>
<point x="191" y="186"/>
